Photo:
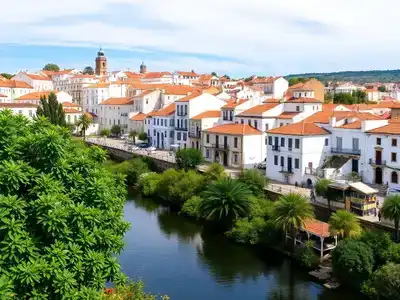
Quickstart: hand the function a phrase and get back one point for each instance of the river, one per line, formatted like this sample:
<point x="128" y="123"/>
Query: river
<point x="187" y="261"/>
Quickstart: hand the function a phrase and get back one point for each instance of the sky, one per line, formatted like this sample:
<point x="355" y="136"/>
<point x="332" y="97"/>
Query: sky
<point x="239" y="38"/>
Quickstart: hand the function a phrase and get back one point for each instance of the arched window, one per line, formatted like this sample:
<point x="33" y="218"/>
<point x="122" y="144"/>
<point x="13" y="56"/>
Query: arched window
<point x="395" y="178"/>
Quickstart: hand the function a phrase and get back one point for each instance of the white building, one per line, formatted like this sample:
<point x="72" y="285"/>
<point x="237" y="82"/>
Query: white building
<point x="13" y="89"/>
<point x="116" y="111"/>
<point x="26" y="109"/>
<point x="273" y="87"/>
<point x="39" y="82"/>
<point x="160" y="129"/>
<point x="136" y="122"/>
<point x="93" y="95"/>
<point x="34" y="97"/>
<point x="76" y="85"/>
<point x="202" y="121"/>
<point x="233" y="145"/>
<point x="157" y="78"/>
<point x="184" y="78"/>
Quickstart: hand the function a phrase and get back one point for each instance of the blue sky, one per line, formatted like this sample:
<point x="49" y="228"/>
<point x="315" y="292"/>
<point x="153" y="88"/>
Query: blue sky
<point x="236" y="37"/>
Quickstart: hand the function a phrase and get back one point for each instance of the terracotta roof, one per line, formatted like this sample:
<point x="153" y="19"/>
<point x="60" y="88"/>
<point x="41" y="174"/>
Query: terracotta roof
<point x="144" y="93"/>
<point x="148" y="86"/>
<point x="139" y="117"/>
<point x="258" y="109"/>
<point x="301" y="128"/>
<point x="264" y="80"/>
<point x="391" y="128"/>
<point x="190" y="97"/>
<point x="271" y="100"/>
<point x="17" y="105"/>
<point x="37" y="77"/>
<point x="190" y="74"/>
<point x="117" y="101"/>
<point x="177" y="89"/>
<point x="323" y="116"/>
<point x="287" y="115"/>
<point x="152" y="75"/>
<point x="372" y="90"/>
<point x="303" y="100"/>
<point x="212" y="90"/>
<point x="36" y="95"/>
<point x="233" y="103"/>
<point x="71" y="110"/>
<point x="318" y="228"/>
<point x="166" y="111"/>
<point x="234" y="129"/>
<point x="3" y="96"/>
<point x="91" y="115"/>
<point x="353" y="125"/>
<point x="14" y="84"/>
<point x="100" y="85"/>
<point x="69" y="104"/>
<point x="208" y="114"/>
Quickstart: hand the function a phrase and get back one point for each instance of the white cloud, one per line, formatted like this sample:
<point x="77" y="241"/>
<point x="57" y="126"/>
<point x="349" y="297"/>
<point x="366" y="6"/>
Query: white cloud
<point x="270" y="36"/>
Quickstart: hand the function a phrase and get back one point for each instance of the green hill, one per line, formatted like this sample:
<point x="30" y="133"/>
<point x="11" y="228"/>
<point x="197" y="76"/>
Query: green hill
<point x="355" y="76"/>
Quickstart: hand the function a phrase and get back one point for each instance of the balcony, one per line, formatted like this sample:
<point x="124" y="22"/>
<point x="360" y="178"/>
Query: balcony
<point x="346" y="151"/>
<point x="275" y="148"/>
<point x="124" y="114"/>
<point x="195" y="135"/>
<point x="311" y="171"/>
<point x="223" y="147"/>
<point x="379" y="162"/>
<point x="181" y="128"/>
<point x="286" y="170"/>
<point x="181" y="114"/>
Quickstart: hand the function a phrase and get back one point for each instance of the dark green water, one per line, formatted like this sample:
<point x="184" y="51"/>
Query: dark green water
<point x="183" y="259"/>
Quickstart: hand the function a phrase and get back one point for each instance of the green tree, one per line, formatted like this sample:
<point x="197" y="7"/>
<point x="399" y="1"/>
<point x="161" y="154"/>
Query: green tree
<point x="143" y="136"/>
<point x="321" y="189"/>
<point x="382" y="88"/>
<point x="116" y="130"/>
<point x="226" y="200"/>
<point x="191" y="207"/>
<point x="253" y="231"/>
<point x="306" y="256"/>
<point x="295" y="80"/>
<point x="51" y="67"/>
<point x="61" y="225"/>
<point x="51" y="109"/>
<point x="88" y="70"/>
<point x="188" y="158"/>
<point x="214" y="74"/>
<point x="380" y="244"/>
<point x="6" y="75"/>
<point x="149" y="183"/>
<point x="352" y="262"/>
<point x="328" y="98"/>
<point x="105" y="132"/>
<point x="343" y="98"/>
<point x="168" y="179"/>
<point x="391" y="210"/>
<point x="133" y="134"/>
<point x="132" y="169"/>
<point x="344" y="224"/>
<point x="189" y="184"/>
<point x="214" y="172"/>
<point x="291" y="212"/>
<point x="227" y="76"/>
<point x="384" y="283"/>
<point x="254" y="180"/>
<point x="83" y="123"/>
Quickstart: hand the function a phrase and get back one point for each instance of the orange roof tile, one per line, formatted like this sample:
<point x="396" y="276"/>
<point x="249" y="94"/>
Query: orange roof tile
<point x="139" y="117"/>
<point x="391" y="128"/>
<point x="258" y="109"/>
<point x="234" y="129"/>
<point x="287" y="115"/>
<point x="271" y="100"/>
<point x="318" y="228"/>
<point x="147" y="86"/>
<point x="35" y="95"/>
<point x="190" y="97"/>
<point x="264" y="80"/>
<point x="100" y="85"/>
<point x="37" y="77"/>
<point x="178" y="89"/>
<point x="303" y="100"/>
<point x="353" y="125"/>
<point x="14" y="83"/>
<point x="372" y="90"/>
<point x="152" y="75"/>
<point x="233" y="103"/>
<point x="70" y="104"/>
<point x="189" y="74"/>
<point x="17" y="105"/>
<point x="166" y="111"/>
<point x="208" y="114"/>
<point x="212" y="90"/>
<point x="71" y="110"/>
<point x="117" y="101"/>
<point x="301" y="128"/>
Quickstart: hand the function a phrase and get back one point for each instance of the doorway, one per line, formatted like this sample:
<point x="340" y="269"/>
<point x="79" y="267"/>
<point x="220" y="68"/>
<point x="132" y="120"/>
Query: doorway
<point x="158" y="140"/>
<point x="378" y="157"/>
<point x="378" y="176"/>
<point x="225" y="159"/>
<point x="289" y="164"/>
<point x="354" y="165"/>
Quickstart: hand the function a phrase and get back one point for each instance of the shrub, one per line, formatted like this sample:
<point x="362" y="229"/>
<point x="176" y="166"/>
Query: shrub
<point x="132" y="169"/>
<point x="188" y="158"/>
<point x="393" y="254"/>
<point x="132" y="290"/>
<point x="149" y="183"/>
<point x="321" y="187"/>
<point x="306" y="256"/>
<point x="384" y="283"/>
<point x="260" y="207"/>
<point x="191" y="207"/>
<point x="105" y="132"/>
<point x="380" y="243"/>
<point x="247" y="231"/>
<point x="214" y="172"/>
<point x="189" y="184"/>
<point x="352" y="262"/>
<point x="254" y="180"/>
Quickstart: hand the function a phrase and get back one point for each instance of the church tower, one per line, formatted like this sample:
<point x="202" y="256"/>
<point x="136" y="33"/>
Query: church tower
<point x="101" y="63"/>
<point x="143" y="68"/>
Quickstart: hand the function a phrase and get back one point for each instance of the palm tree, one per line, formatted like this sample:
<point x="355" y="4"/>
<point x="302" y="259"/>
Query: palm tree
<point x="226" y="200"/>
<point x="391" y="210"/>
<point x="291" y="212"/>
<point x="133" y="135"/>
<point x="83" y="123"/>
<point x="344" y="224"/>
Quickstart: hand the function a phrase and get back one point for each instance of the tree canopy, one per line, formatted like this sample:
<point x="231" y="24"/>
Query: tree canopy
<point x="88" y="70"/>
<point x="61" y="225"/>
<point x="51" y="67"/>
<point x="83" y="123"/>
<point x="51" y="109"/>
<point x="391" y="210"/>
<point x="6" y="75"/>
<point x="189" y="158"/>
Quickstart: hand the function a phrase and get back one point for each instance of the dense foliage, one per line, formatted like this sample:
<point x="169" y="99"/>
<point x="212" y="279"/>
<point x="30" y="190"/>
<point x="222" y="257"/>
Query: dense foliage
<point x="355" y="97"/>
<point x="189" y="158"/>
<point x="391" y="210"/>
<point x="321" y="187"/>
<point x="214" y="172"/>
<point x="254" y="180"/>
<point x="191" y="207"/>
<point x="131" y="291"/>
<point x="116" y="130"/>
<point x="306" y="256"/>
<point x="51" y="109"/>
<point x="381" y="245"/>
<point x="6" y="75"/>
<point x="61" y="213"/>
<point x="344" y="224"/>
<point x="83" y="123"/>
<point x="88" y="70"/>
<point x="51" y="67"/>
<point x="132" y="169"/>
<point x="384" y="283"/>
<point x="105" y="132"/>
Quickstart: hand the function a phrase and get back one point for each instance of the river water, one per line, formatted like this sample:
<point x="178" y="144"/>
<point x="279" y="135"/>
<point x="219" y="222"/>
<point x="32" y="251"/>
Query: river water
<point x="187" y="261"/>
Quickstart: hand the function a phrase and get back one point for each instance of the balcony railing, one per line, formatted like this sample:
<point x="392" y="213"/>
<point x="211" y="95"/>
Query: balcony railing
<point x="347" y="151"/>
<point x="311" y="171"/>
<point x="286" y="170"/>
<point x="223" y="147"/>
<point x="195" y="134"/>
<point x="181" y="128"/>
<point x="124" y="114"/>
<point x="181" y="114"/>
<point x="276" y="148"/>
<point x="378" y="162"/>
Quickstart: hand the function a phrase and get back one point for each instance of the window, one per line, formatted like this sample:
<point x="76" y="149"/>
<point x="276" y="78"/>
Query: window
<point x="290" y="143"/>
<point x="208" y="153"/>
<point x="241" y="121"/>
<point x="378" y="141"/>
<point x="266" y="141"/>
<point x="154" y="132"/>
<point x="296" y="163"/>
<point x="235" y="142"/>
<point x="395" y="178"/>
<point x="355" y="144"/>
<point x="178" y="136"/>
<point x="171" y="134"/>
<point x="394" y="142"/>
<point x="281" y="124"/>
<point x="297" y="108"/>
<point x="266" y="127"/>
<point x="297" y="143"/>
<point x="326" y="142"/>
<point x="270" y="140"/>
<point x="275" y="160"/>
<point x="394" y="156"/>
<point x="235" y="159"/>
<point x="255" y="124"/>
<point x="208" y="138"/>
<point x="184" y="136"/>
<point x="249" y="121"/>
<point x="282" y="142"/>
<point x="282" y="161"/>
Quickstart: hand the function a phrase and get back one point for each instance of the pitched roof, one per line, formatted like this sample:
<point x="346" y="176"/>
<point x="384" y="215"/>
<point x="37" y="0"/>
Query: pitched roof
<point x="301" y="128"/>
<point x="69" y="104"/>
<point x="83" y="76"/>
<point x="272" y="100"/>
<point x="303" y="100"/>
<point x="258" y="109"/>
<point x="36" y="95"/>
<point x="99" y="85"/>
<point x="318" y="228"/>
<point x="391" y="128"/>
<point x="144" y="93"/>
<point x="234" y="129"/>
<point x="139" y="117"/>
<point x="37" y="77"/>
<point x="190" y="97"/>
<point x="233" y="103"/>
<point x="287" y="115"/>
<point x="166" y="111"/>
<point x="208" y="114"/>
<point x="117" y="101"/>
<point x="177" y="89"/>
<point x="353" y="125"/>
<point x="17" y="105"/>
<point x="264" y="80"/>
<point x="14" y="83"/>
<point x="71" y="110"/>
<point x="152" y="75"/>
<point x="190" y="74"/>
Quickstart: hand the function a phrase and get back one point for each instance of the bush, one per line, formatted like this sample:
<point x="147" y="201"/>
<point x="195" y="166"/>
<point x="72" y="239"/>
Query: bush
<point x="247" y="231"/>
<point x="352" y="262"/>
<point x="132" y="169"/>
<point x="214" y="172"/>
<point x="254" y="180"/>
<point x="384" y="283"/>
<point x="321" y="187"/>
<point x="149" y="183"/>
<point x="190" y="184"/>
<point x="105" y="132"/>
<point x="189" y="158"/>
<point x="306" y="256"/>
<point x="191" y="207"/>
<point x="168" y="179"/>
<point x="116" y="129"/>
<point x="131" y="291"/>
<point x="380" y="243"/>
<point x="260" y="207"/>
<point x="393" y="254"/>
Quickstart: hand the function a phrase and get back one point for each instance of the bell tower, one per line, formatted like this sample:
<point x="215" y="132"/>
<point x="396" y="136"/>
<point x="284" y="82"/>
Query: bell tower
<point x="143" y="68"/>
<point x="101" y="63"/>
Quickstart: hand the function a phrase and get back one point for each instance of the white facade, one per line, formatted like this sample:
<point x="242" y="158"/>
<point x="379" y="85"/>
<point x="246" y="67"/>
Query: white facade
<point x="273" y="87"/>
<point x="34" y="97"/>
<point x="26" y="109"/>
<point x="184" y="78"/>
<point x="38" y="82"/>
<point x="115" y="112"/>
<point x="13" y="89"/>
<point x="157" y="78"/>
